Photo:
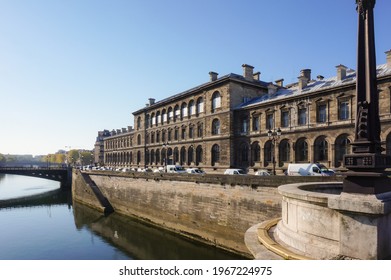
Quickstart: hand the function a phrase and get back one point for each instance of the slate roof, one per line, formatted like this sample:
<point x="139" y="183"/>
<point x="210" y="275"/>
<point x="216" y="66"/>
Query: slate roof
<point x="231" y="76"/>
<point x="313" y="86"/>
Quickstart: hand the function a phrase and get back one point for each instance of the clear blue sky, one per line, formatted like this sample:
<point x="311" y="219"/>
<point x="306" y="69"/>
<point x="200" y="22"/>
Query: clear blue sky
<point x="70" y="68"/>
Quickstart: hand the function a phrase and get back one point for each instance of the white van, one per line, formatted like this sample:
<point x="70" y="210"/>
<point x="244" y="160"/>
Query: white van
<point x="234" y="172"/>
<point x="175" y="169"/>
<point x="308" y="169"/>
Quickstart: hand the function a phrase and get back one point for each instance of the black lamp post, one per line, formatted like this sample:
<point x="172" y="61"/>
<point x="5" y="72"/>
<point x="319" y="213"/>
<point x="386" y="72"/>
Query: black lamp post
<point x="274" y="136"/>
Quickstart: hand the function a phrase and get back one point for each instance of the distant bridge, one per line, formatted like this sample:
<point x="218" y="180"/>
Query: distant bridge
<point x="60" y="174"/>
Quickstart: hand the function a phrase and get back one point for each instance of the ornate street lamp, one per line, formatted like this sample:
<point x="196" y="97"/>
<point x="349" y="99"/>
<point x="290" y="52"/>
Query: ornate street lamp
<point x="274" y="136"/>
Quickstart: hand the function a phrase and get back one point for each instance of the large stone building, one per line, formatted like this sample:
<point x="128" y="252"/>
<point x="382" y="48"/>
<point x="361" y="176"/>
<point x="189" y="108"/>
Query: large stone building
<point x="226" y="121"/>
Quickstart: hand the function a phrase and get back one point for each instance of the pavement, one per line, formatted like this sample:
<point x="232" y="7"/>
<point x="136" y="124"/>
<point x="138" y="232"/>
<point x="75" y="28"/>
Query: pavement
<point x="263" y="244"/>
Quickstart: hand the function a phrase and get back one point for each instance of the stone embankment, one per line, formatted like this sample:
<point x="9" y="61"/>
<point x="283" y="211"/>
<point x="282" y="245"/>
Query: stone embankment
<point x="215" y="209"/>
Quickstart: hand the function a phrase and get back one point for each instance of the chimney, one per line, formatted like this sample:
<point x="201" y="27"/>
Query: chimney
<point x="257" y="76"/>
<point x="151" y="101"/>
<point x="118" y="131"/>
<point x="388" y="58"/>
<point x="341" y="72"/>
<point x="124" y="130"/>
<point x="271" y="89"/>
<point x="213" y="76"/>
<point x="320" y="77"/>
<point x="280" y="82"/>
<point x="248" y="72"/>
<point x="302" y="82"/>
<point x="113" y="132"/>
<point x="130" y="128"/>
<point x="306" y="73"/>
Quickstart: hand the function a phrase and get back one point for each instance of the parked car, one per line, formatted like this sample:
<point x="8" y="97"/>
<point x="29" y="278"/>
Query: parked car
<point x="233" y="171"/>
<point x="195" y="171"/>
<point x="262" y="173"/>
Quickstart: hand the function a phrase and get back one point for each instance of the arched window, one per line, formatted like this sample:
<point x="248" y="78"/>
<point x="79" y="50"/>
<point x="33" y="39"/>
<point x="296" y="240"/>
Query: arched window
<point x="199" y="155"/>
<point x="157" y="156"/>
<point x="153" y="119"/>
<point x="216" y="101"/>
<point x="190" y="155"/>
<point x="183" y="155"/>
<point x="139" y="139"/>
<point x="158" y="118"/>
<point x="164" y="116"/>
<point x="342" y="147"/>
<point x="169" y="156"/>
<point x="138" y="157"/>
<point x="200" y="105"/>
<point x="138" y="122"/>
<point x="321" y="149"/>
<point x="177" y="113"/>
<point x="284" y="151"/>
<point x="183" y="110"/>
<point x="192" y="109"/>
<point x="268" y="151"/>
<point x="256" y="152"/>
<point x="301" y="150"/>
<point x="215" y="127"/>
<point x="170" y="114"/>
<point x="215" y="154"/>
<point x="176" y="155"/>
<point x="152" y="156"/>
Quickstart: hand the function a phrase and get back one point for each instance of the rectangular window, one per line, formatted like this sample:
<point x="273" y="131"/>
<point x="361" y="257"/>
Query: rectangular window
<point x="200" y="130"/>
<point x="183" y="133"/>
<point x="321" y="116"/>
<point x="256" y="123"/>
<point x="302" y="118"/>
<point x="244" y="125"/>
<point x="343" y="110"/>
<point x="269" y="121"/>
<point x="285" y="119"/>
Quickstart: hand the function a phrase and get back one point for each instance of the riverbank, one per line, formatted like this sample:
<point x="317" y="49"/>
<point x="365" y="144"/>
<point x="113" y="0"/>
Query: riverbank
<point x="214" y="209"/>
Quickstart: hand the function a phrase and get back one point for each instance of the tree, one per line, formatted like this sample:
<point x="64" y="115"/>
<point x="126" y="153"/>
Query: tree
<point x="73" y="156"/>
<point x="2" y="159"/>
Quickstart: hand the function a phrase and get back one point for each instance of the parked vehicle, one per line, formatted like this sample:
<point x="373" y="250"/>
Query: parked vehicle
<point x="308" y="169"/>
<point x="262" y="173"/>
<point x="158" y="170"/>
<point x="175" y="169"/>
<point x="231" y="171"/>
<point x="195" y="171"/>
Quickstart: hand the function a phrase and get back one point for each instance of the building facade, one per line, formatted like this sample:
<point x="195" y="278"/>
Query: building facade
<point x="225" y="123"/>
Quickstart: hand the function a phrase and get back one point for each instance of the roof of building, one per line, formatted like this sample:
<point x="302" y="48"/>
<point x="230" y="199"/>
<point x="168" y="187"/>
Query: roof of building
<point x="231" y="76"/>
<point x="312" y="86"/>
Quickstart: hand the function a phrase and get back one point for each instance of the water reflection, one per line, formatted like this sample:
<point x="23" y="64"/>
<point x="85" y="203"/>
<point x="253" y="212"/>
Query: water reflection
<point x="141" y="240"/>
<point x="51" y="226"/>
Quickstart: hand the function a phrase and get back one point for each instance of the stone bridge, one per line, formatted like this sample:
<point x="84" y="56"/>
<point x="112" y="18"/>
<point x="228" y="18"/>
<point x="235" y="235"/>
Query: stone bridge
<point x="60" y="174"/>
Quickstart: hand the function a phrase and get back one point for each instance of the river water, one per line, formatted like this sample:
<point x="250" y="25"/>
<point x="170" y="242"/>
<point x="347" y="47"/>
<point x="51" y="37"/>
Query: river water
<point x="39" y="221"/>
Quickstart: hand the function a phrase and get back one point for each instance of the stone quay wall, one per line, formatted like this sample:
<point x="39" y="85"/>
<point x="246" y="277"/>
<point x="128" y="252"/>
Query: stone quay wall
<point x="214" y="209"/>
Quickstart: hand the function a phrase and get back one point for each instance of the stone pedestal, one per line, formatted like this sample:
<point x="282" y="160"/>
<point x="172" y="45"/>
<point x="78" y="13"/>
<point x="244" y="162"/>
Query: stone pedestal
<point x="364" y="225"/>
<point x="322" y="222"/>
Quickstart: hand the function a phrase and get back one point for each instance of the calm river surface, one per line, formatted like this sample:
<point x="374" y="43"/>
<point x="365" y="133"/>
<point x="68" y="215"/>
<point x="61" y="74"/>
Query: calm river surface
<point x="39" y="221"/>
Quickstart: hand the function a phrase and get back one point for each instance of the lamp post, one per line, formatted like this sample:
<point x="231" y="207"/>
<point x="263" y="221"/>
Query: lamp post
<point x="274" y="136"/>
